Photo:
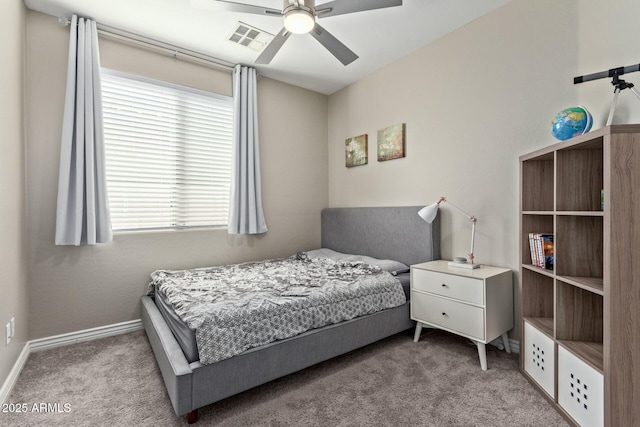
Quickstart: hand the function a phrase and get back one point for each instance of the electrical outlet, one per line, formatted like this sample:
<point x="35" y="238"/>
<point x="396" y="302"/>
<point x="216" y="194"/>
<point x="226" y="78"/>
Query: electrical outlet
<point x="13" y="327"/>
<point x="7" y="334"/>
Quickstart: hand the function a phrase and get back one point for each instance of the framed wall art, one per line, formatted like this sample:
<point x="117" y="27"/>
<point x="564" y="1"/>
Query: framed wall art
<point x="356" y="151"/>
<point x="391" y="142"/>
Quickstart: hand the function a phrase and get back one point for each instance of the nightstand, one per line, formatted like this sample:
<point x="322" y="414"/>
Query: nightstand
<point x="476" y="304"/>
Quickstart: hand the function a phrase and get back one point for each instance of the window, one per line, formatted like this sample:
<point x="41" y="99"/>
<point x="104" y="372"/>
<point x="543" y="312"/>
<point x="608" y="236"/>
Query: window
<point x="168" y="153"/>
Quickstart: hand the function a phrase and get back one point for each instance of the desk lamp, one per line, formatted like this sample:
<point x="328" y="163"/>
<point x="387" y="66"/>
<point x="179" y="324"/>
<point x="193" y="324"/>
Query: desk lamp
<point x="428" y="213"/>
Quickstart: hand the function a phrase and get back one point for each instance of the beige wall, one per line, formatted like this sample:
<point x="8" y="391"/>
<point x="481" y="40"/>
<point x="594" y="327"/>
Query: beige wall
<point x="473" y="102"/>
<point x="13" y="279"/>
<point x="608" y="38"/>
<point x="74" y="288"/>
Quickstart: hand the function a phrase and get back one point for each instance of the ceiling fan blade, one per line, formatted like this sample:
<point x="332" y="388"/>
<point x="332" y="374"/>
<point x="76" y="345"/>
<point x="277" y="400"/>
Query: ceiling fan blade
<point x="228" y="6"/>
<point x="340" y="7"/>
<point x="272" y="48"/>
<point x="333" y="45"/>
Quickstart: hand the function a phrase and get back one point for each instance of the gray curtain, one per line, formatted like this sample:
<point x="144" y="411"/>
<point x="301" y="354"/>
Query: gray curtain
<point x="245" y="208"/>
<point x="83" y="207"/>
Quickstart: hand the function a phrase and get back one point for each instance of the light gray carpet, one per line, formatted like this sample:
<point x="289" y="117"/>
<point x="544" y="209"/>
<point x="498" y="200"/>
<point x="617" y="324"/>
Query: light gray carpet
<point x="395" y="382"/>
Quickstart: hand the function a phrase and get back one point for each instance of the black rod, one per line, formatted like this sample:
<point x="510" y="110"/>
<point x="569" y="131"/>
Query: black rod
<point x="605" y="74"/>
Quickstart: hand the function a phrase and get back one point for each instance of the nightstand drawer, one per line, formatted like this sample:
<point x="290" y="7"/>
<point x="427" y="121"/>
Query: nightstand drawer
<point x="448" y="314"/>
<point x="448" y="285"/>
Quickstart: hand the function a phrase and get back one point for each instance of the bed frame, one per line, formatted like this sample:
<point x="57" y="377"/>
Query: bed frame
<point x="381" y="232"/>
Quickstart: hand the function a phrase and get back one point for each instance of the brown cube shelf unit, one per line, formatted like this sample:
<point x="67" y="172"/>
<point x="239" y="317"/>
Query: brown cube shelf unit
<point x="581" y="320"/>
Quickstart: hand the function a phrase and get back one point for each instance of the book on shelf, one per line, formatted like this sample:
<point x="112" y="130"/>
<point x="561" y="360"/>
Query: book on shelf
<point x="532" y="248"/>
<point x="539" y="250"/>
<point x="542" y="250"/>
<point x="548" y="249"/>
<point x="536" y="261"/>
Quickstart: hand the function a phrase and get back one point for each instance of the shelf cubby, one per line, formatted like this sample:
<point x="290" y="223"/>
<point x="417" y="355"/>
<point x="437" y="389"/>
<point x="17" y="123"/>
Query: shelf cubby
<point x="590" y="352"/>
<point x="544" y="324"/>
<point x="579" y="246"/>
<point x="537" y="300"/>
<point x="580" y="177"/>
<point x="578" y="314"/>
<point x="533" y="224"/>
<point x="537" y="178"/>
<point x="591" y="284"/>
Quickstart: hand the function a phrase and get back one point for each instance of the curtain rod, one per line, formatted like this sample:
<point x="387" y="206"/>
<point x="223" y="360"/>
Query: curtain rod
<point x="153" y="44"/>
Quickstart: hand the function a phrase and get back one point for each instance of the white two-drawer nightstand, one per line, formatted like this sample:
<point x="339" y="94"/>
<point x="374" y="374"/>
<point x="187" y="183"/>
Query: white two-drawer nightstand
<point x="477" y="304"/>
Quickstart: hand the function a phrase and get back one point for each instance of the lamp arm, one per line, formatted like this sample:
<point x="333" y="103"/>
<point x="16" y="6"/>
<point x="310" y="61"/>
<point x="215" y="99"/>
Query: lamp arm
<point x="473" y="225"/>
<point x="459" y="210"/>
<point x="473" y="237"/>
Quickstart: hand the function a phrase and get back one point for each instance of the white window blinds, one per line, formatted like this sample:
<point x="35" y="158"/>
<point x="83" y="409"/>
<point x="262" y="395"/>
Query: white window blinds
<point x="168" y="153"/>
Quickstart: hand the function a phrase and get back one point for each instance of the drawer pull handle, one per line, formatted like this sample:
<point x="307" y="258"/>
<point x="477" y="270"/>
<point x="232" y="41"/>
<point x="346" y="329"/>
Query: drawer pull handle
<point x="444" y="286"/>
<point x="444" y="314"/>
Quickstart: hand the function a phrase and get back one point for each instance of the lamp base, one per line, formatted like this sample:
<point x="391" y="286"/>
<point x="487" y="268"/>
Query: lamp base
<point x="465" y="265"/>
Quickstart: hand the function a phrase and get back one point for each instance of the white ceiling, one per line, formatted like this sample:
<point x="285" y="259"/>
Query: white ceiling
<point x="379" y="37"/>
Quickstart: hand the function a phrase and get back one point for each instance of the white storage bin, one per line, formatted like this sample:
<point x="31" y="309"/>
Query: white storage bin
<point x="539" y="358"/>
<point x="580" y="390"/>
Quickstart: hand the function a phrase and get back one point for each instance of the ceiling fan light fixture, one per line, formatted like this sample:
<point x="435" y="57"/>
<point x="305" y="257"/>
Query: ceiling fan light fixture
<point x="299" y="21"/>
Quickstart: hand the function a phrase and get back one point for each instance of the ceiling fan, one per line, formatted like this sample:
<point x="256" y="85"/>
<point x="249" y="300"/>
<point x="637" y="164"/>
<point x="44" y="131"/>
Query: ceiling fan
<point x="300" y="17"/>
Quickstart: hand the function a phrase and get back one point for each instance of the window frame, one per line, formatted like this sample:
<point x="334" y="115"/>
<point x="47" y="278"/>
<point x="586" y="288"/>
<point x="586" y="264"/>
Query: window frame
<point x="182" y="88"/>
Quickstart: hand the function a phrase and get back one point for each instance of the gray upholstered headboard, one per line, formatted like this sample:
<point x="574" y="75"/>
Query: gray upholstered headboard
<point x="382" y="232"/>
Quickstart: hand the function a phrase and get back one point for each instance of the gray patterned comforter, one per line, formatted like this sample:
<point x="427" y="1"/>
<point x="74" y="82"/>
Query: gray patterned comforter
<point x="236" y="307"/>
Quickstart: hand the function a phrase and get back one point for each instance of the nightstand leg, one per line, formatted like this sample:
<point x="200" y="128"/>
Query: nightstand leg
<point x="505" y="341"/>
<point x="416" y="337"/>
<point x="482" y="354"/>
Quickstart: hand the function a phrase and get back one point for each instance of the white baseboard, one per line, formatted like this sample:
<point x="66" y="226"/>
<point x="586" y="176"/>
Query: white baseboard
<point x="62" y="340"/>
<point x="86" y="335"/>
<point x="11" y="380"/>
<point x="514" y="344"/>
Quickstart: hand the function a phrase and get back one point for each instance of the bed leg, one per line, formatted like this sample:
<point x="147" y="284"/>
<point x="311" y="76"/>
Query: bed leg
<point x="192" y="416"/>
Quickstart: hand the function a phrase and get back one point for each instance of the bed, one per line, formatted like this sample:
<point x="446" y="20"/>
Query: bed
<point x="396" y="233"/>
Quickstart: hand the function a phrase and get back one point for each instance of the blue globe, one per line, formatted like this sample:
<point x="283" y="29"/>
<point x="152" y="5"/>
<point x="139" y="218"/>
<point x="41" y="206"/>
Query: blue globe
<point x="570" y="122"/>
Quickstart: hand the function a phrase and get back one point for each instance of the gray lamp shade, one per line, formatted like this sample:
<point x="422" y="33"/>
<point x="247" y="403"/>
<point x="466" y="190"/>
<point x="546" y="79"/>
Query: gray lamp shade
<point x="428" y="213"/>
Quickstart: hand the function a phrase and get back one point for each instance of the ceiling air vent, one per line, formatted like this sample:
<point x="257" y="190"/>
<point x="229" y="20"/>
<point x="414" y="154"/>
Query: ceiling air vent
<point x="248" y="36"/>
